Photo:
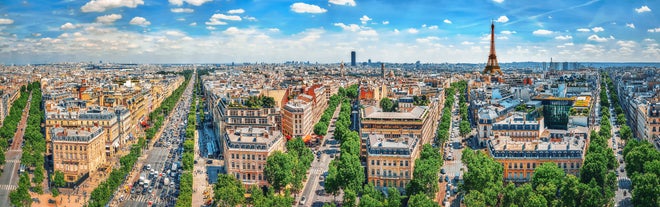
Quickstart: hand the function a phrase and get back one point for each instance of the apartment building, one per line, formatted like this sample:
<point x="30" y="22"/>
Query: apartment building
<point x="391" y="161"/>
<point x="77" y="152"/>
<point x="246" y="151"/>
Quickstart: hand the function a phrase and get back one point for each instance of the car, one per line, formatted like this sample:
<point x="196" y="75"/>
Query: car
<point x="209" y="161"/>
<point x="621" y="169"/>
<point x="302" y="200"/>
<point x="51" y="201"/>
<point x="442" y="171"/>
<point x="620" y="160"/>
<point x="447" y="178"/>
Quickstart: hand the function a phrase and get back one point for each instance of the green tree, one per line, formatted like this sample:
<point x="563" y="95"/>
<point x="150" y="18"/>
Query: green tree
<point x="546" y="174"/>
<point x="350" y="198"/>
<point x="278" y="170"/>
<point x="646" y="189"/>
<point x="476" y="198"/>
<point x="464" y="128"/>
<point x="625" y="132"/>
<point x="321" y="128"/>
<point x="393" y="197"/>
<point x="21" y="196"/>
<point x="368" y="201"/>
<point x="58" y="179"/>
<point x="386" y="104"/>
<point x="332" y="181"/>
<point x="228" y="191"/>
<point x="570" y="191"/>
<point x="351" y="173"/>
<point x="621" y="119"/>
<point x="421" y="200"/>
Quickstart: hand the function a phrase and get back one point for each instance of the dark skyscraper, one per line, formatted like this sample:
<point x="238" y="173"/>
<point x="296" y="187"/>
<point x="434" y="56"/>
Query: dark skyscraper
<point x="353" y="63"/>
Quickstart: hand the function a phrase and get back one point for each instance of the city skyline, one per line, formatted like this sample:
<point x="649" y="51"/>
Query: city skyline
<point x="207" y="31"/>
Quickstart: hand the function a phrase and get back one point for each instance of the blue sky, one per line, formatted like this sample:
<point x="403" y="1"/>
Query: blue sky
<point x="221" y="31"/>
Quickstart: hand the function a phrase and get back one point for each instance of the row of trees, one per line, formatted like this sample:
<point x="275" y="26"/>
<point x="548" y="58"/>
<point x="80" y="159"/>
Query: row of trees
<point x="321" y="128"/>
<point x="464" y="127"/>
<point x="643" y="165"/>
<point x="32" y="148"/>
<point x="102" y="194"/>
<point x="157" y="116"/>
<point x="10" y="124"/>
<point x="424" y="185"/>
<point x="188" y="157"/>
<point x="624" y="131"/>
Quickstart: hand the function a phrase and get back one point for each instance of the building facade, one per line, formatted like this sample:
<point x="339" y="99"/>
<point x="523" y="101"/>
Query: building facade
<point x="391" y="161"/>
<point x="78" y="152"/>
<point x="246" y="151"/>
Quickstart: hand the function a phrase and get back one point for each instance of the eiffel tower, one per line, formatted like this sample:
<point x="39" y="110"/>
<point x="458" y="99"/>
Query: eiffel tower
<point x="492" y="66"/>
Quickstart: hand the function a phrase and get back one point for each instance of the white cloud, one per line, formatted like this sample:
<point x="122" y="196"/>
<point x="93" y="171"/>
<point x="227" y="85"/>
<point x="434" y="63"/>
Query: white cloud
<point x="386" y="22"/>
<point x="307" y="8"/>
<point x="175" y="33"/>
<point x="108" y="19"/>
<point x="427" y="39"/>
<point x="182" y="10"/>
<point x="467" y="43"/>
<point x="191" y="2"/>
<point x="502" y="37"/>
<point x="413" y="31"/>
<point x="210" y="27"/>
<point x="542" y="32"/>
<point x="226" y="17"/>
<point x="249" y="18"/>
<point x="350" y="27"/>
<point x="103" y="5"/>
<point x="369" y="32"/>
<point x="274" y="30"/>
<point x="140" y="21"/>
<point x="507" y="32"/>
<point x="583" y="30"/>
<point x="643" y="9"/>
<point x="396" y="31"/>
<point x="364" y="19"/>
<point x="631" y="25"/>
<point x="447" y="21"/>
<point x="498" y="1"/>
<point x="236" y="11"/>
<point x="654" y="30"/>
<point x="569" y="44"/>
<point x="343" y="2"/>
<point x="626" y="43"/>
<point x="564" y="37"/>
<point x="193" y="24"/>
<point x="433" y="27"/>
<point x="502" y="19"/>
<point x="217" y="19"/>
<point x="6" y="21"/>
<point x="68" y="25"/>
<point x="596" y="38"/>
<point x="597" y="29"/>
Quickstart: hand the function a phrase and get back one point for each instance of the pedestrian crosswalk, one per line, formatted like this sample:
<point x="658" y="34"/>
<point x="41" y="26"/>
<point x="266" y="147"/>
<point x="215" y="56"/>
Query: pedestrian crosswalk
<point x="8" y="187"/>
<point x="13" y="161"/>
<point x="316" y="170"/>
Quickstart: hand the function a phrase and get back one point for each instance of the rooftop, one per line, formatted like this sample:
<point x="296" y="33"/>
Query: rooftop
<point x="76" y="135"/>
<point x="373" y="112"/>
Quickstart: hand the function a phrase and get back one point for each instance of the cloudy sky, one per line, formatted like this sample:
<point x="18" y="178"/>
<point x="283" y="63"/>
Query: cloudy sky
<point x="325" y="31"/>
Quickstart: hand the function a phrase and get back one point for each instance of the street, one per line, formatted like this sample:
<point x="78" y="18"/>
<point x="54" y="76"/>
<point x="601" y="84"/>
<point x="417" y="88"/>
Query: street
<point x="9" y="177"/>
<point x="313" y="191"/>
<point x="156" y="182"/>
<point x="453" y="166"/>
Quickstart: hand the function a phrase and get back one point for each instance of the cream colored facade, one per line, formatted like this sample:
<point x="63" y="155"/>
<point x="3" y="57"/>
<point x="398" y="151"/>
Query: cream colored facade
<point x="78" y="152"/>
<point x="391" y="161"/>
<point x="246" y="150"/>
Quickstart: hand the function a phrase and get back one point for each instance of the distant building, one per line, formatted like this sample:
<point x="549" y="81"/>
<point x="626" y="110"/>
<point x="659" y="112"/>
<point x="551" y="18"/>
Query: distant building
<point x="78" y="152"/>
<point x="566" y="148"/>
<point x="420" y="122"/>
<point x="391" y="161"/>
<point x="246" y="151"/>
<point x="353" y="61"/>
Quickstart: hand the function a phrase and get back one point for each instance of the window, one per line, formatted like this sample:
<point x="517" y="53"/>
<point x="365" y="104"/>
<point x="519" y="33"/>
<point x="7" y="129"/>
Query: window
<point x="528" y="165"/>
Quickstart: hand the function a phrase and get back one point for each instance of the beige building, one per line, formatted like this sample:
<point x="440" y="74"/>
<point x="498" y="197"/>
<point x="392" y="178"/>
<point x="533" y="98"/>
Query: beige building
<point x="89" y="117"/>
<point x="391" y="161"/>
<point x="77" y="152"/>
<point x="246" y="150"/>
<point x="297" y="119"/>
<point x="420" y="121"/>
